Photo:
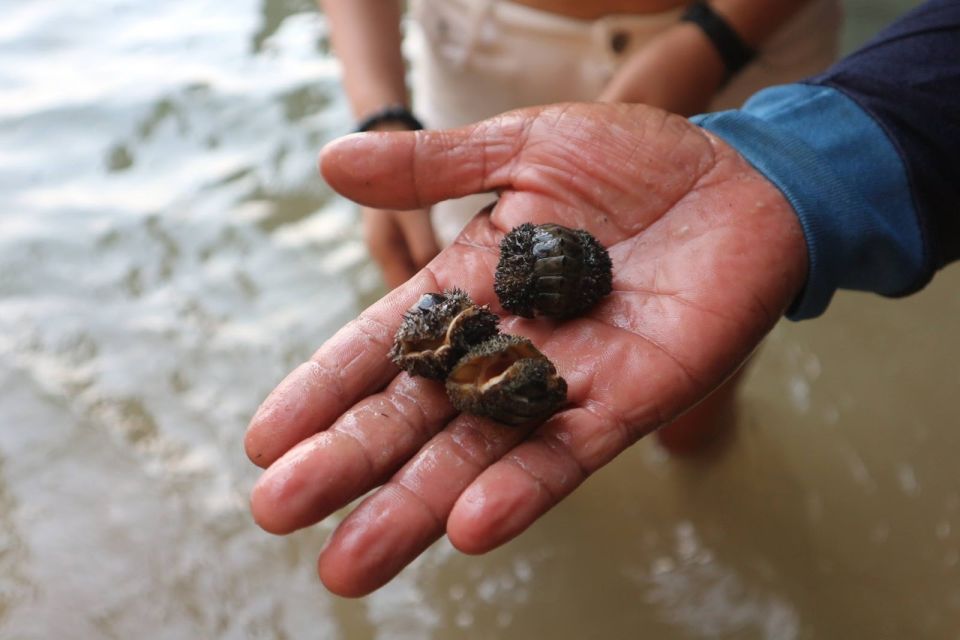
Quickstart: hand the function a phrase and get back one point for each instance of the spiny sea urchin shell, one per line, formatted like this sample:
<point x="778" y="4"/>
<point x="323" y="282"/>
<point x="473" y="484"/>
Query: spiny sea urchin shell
<point x="551" y="270"/>
<point x="438" y="330"/>
<point x="507" y="378"/>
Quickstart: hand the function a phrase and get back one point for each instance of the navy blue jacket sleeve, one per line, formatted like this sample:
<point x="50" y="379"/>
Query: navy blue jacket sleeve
<point x="868" y="155"/>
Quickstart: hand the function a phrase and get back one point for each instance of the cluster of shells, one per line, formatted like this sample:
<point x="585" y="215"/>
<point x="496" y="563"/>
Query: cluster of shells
<point x="543" y="269"/>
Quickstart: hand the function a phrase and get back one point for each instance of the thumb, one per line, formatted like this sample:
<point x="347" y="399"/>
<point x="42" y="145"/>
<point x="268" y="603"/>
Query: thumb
<point x="414" y="169"/>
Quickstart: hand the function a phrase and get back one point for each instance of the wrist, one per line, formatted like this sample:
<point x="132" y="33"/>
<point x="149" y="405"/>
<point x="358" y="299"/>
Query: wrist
<point x="847" y="186"/>
<point x="707" y="65"/>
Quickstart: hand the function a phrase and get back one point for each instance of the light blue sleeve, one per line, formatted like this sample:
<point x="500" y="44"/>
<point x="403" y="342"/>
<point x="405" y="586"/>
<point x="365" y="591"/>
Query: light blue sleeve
<point x="845" y="181"/>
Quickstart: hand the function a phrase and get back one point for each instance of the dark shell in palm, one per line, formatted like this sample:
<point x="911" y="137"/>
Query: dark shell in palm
<point x="551" y="270"/>
<point x="508" y="379"/>
<point x="438" y="331"/>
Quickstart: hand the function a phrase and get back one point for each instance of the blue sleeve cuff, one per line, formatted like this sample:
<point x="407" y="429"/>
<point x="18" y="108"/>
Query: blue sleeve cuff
<point x="845" y="181"/>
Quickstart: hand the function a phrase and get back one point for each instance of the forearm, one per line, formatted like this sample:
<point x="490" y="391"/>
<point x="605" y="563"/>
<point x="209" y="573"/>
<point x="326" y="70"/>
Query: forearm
<point x="681" y="69"/>
<point x="366" y="38"/>
<point x="868" y="154"/>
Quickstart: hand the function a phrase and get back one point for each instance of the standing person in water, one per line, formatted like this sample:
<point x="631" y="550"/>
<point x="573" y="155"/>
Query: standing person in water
<point x="474" y="59"/>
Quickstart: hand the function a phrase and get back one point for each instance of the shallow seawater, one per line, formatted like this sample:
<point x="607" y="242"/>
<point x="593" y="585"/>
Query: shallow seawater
<point x="167" y="255"/>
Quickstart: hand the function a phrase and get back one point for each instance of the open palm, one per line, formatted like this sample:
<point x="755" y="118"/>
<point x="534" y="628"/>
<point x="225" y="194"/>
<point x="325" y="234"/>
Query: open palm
<point x="707" y="255"/>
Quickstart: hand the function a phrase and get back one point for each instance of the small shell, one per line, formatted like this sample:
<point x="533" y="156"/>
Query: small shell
<point x="507" y="378"/>
<point x="438" y="330"/>
<point x="551" y="270"/>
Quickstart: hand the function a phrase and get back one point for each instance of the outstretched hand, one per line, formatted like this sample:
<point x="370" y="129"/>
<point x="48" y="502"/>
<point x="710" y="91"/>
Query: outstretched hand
<point x="707" y="255"/>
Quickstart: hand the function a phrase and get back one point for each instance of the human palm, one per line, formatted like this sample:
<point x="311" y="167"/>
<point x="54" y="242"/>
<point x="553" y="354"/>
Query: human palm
<point x="706" y="253"/>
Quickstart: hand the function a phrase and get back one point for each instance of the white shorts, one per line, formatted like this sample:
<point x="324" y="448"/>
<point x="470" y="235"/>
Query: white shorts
<point x="473" y="59"/>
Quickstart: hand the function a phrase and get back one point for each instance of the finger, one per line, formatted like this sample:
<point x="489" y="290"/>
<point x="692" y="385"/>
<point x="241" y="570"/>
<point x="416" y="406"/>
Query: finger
<point x="350" y="365"/>
<point x="419" y="236"/>
<point x="387" y="246"/>
<point x="412" y="170"/>
<point x="404" y="517"/>
<point x="361" y="450"/>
